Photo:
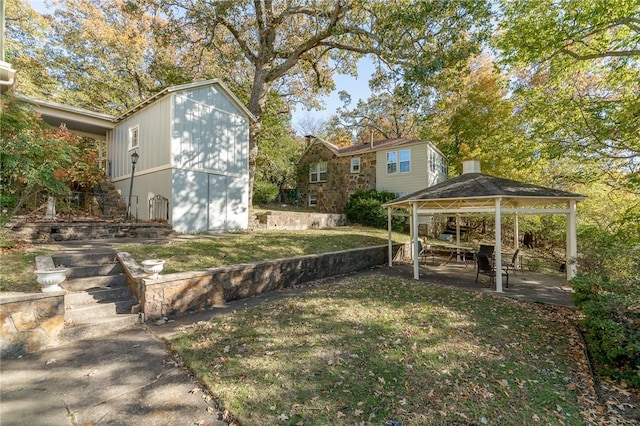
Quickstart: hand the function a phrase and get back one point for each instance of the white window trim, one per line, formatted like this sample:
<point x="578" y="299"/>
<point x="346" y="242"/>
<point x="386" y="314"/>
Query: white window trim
<point x="315" y="201"/>
<point x="134" y="129"/>
<point x="398" y="162"/>
<point x="314" y="170"/>
<point x="359" y="165"/>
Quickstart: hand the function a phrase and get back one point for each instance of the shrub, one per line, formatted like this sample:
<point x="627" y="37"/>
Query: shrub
<point x="612" y="325"/>
<point x="364" y="207"/>
<point x="264" y="192"/>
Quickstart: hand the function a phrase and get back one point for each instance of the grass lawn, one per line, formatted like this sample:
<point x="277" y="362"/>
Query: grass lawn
<point x="368" y="349"/>
<point x="214" y="251"/>
<point x="206" y="251"/>
<point x="17" y="266"/>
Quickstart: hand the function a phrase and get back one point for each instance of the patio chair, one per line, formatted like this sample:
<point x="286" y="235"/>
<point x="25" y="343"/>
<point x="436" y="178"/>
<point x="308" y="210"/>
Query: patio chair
<point x="425" y="251"/>
<point x="486" y="250"/>
<point x="485" y="266"/>
<point x="514" y="261"/>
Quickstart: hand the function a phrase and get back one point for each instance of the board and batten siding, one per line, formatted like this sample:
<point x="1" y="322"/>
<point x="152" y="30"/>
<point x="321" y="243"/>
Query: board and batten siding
<point x="210" y="148"/>
<point x="405" y="182"/>
<point x="154" y="124"/>
<point x="209" y="137"/>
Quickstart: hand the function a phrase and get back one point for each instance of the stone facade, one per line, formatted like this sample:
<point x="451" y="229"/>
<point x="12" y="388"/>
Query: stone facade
<point x="30" y="322"/>
<point x="333" y="194"/>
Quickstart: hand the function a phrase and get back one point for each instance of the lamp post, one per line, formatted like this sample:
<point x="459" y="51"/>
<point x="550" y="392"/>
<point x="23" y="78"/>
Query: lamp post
<point x="134" y="160"/>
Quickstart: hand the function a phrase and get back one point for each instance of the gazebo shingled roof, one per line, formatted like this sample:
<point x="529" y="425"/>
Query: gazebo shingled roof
<point x="467" y="187"/>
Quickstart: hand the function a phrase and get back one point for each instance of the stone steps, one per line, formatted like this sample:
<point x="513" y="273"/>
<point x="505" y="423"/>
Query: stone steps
<point x="98" y="300"/>
<point x="95" y="282"/>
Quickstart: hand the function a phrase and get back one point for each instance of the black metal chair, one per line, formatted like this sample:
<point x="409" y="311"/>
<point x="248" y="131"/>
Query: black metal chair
<point x="485" y="266"/>
<point x="513" y="264"/>
<point x="424" y="252"/>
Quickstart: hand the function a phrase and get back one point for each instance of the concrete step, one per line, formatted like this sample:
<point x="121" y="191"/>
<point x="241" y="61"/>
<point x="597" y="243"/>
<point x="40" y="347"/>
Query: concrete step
<point x="94" y="270"/>
<point x="87" y="283"/>
<point x="84" y="313"/>
<point x="96" y="295"/>
<point x="84" y="258"/>
<point x="98" y="327"/>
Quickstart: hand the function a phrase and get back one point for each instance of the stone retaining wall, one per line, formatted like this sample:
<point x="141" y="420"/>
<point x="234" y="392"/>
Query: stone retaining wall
<point x="68" y="231"/>
<point x="296" y="220"/>
<point x="30" y="322"/>
<point x="178" y="293"/>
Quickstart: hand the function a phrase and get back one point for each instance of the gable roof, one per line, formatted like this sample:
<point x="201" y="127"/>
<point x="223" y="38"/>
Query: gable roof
<point x="168" y="90"/>
<point x="373" y="146"/>
<point x="474" y="190"/>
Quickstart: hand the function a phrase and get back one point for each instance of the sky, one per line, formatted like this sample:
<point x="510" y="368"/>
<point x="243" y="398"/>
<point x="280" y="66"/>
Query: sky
<point x="358" y="87"/>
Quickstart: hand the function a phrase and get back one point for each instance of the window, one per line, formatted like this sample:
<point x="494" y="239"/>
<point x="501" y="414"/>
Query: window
<point x="392" y="165"/>
<point x="318" y="172"/>
<point x="399" y="161"/>
<point x="134" y="137"/>
<point x="313" y="201"/>
<point x="355" y="165"/>
<point x="405" y="160"/>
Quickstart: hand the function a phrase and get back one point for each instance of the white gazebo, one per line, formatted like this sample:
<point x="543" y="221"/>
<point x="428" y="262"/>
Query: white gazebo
<point x="474" y="193"/>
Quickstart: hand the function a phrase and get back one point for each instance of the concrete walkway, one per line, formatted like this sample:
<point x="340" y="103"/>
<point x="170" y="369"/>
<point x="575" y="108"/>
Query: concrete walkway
<point x="127" y="378"/>
<point x="130" y="378"/>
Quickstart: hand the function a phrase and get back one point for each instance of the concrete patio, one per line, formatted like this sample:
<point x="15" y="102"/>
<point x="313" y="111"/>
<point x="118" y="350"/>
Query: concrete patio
<point x="523" y="285"/>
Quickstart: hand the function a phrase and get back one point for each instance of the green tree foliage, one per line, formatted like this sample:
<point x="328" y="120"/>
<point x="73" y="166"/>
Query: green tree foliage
<point x="28" y="49"/>
<point x="279" y="153"/>
<point x="578" y="76"/>
<point x="472" y="118"/>
<point x="107" y="55"/>
<point x="38" y="159"/>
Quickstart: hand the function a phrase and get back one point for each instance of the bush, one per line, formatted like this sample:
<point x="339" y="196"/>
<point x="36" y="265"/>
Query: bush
<point x="364" y="207"/>
<point x="264" y="192"/>
<point x="611" y="324"/>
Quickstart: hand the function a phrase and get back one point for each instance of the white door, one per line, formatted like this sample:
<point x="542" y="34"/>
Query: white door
<point x="217" y="211"/>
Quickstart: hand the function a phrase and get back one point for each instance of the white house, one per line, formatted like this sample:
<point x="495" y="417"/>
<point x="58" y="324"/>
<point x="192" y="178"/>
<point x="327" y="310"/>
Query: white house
<point x="192" y="141"/>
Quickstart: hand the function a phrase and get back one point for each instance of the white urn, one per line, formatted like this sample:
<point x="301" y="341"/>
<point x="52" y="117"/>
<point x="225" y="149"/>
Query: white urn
<point x="153" y="267"/>
<point x="51" y="278"/>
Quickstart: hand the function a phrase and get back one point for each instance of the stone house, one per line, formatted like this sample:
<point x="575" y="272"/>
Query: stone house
<point x="328" y="175"/>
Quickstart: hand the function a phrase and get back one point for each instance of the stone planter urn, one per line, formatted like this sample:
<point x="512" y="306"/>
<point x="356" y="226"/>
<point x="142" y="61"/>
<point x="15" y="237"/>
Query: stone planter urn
<point x="153" y="267"/>
<point x="51" y="278"/>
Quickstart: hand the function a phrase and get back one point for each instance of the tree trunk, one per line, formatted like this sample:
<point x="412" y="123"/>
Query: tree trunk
<point x="258" y="97"/>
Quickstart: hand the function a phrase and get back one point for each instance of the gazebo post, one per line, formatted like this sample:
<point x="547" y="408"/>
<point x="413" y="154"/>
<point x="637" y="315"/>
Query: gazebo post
<point x="390" y="248"/>
<point x="516" y="231"/>
<point x="571" y="268"/>
<point x="414" y="236"/>
<point x="458" y="237"/>
<point x="498" y="250"/>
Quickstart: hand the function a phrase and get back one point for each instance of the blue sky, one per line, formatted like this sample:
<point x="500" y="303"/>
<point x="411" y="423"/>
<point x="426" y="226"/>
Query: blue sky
<point x="358" y="88"/>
